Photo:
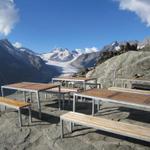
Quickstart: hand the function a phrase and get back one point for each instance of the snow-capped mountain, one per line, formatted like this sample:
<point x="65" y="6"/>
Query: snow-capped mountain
<point x="66" y="55"/>
<point x="66" y="59"/>
<point x="60" y="55"/>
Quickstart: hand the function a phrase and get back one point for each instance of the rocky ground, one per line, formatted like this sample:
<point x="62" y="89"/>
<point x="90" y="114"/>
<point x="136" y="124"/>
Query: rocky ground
<point x="45" y="134"/>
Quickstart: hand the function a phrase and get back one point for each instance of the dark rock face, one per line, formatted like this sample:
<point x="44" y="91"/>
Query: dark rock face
<point x="17" y="66"/>
<point x="116" y="49"/>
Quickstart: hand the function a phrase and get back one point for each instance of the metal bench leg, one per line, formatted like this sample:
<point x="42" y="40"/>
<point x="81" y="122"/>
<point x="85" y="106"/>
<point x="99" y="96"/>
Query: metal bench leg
<point x="69" y="98"/>
<point x="71" y="127"/>
<point x="30" y="115"/>
<point x="93" y="107"/>
<point x="62" y="128"/>
<point x="98" y="105"/>
<point x="45" y="95"/>
<point x="59" y="101"/>
<point x="74" y="102"/>
<point x="20" y="117"/>
<point x="63" y="100"/>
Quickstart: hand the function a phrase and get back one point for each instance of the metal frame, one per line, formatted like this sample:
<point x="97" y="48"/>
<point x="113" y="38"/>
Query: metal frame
<point x="84" y="81"/>
<point x="100" y="99"/>
<point x="130" y="81"/>
<point x="19" y="112"/>
<point x="62" y="97"/>
<point x="37" y="92"/>
<point x="72" y="121"/>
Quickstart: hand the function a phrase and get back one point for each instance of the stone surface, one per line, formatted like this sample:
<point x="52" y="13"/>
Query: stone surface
<point x="45" y="134"/>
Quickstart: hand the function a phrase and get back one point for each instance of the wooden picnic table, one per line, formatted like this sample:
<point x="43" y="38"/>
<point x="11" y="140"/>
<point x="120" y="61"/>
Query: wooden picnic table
<point x="83" y="80"/>
<point x="126" y="98"/>
<point x="32" y="88"/>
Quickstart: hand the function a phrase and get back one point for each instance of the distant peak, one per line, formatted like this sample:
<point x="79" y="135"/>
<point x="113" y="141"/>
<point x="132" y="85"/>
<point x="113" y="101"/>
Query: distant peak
<point x="115" y="43"/>
<point x="5" y="41"/>
<point x="60" y="50"/>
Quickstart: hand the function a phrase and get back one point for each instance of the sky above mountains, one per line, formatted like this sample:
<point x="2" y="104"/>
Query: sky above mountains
<point x="42" y="25"/>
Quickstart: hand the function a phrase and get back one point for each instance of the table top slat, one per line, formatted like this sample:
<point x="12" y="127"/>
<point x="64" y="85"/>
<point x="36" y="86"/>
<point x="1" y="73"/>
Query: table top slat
<point x="32" y="86"/>
<point x="119" y="96"/>
<point x="69" y="78"/>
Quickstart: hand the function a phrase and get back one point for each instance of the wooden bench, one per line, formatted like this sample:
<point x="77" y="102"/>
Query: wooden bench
<point x="120" y="128"/>
<point x="18" y="105"/>
<point x="145" y="92"/>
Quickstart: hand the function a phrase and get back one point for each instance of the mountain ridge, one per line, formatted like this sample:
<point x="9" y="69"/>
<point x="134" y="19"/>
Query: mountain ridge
<point x="17" y="66"/>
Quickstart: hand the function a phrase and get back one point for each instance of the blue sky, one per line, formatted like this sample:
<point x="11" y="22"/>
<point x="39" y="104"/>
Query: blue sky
<point x="42" y="25"/>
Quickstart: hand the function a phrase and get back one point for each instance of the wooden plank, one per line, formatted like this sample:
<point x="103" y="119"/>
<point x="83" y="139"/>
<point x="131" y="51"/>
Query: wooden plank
<point x="65" y="90"/>
<point x="41" y="86"/>
<point x="13" y="103"/>
<point x="125" y="97"/>
<point x="145" y="92"/>
<point x="31" y="86"/>
<point x="18" y="85"/>
<point x="69" y="78"/>
<point x="126" y="129"/>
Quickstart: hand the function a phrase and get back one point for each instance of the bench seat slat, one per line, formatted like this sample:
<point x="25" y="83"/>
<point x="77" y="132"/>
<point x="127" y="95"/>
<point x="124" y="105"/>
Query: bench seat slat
<point x="13" y="103"/>
<point x="121" y="128"/>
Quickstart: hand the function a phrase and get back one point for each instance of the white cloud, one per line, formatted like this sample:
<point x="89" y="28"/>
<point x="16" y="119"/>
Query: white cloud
<point x="140" y="7"/>
<point x="8" y="16"/>
<point x="17" y="44"/>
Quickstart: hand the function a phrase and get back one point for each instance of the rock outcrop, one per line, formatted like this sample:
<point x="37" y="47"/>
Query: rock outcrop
<point x="126" y="65"/>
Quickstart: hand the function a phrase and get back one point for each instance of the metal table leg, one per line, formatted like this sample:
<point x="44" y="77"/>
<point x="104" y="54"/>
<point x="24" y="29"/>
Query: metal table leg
<point x="63" y="100"/>
<point x="2" y="92"/>
<point x="74" y="102"/>
<point x="39" y="104"/>
<point x="20" y="117"/>
<point x="30" y="115"/>
<point x="24" y="95"/>
<point x="69" y="97"/>
<point x="30" y="97"/>
<point x="62" y="128"/>
<point x="84" y="86"/>
<point x="59" y="98"/>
